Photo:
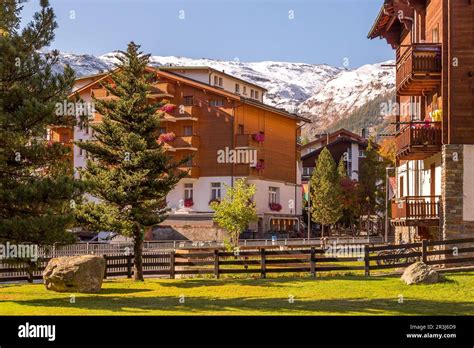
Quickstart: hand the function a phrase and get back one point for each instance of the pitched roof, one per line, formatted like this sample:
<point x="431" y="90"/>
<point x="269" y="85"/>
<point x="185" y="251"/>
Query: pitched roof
<point x="201" y="85"/>
<point x="322" y="138"/>
<point x="205" y="67"/>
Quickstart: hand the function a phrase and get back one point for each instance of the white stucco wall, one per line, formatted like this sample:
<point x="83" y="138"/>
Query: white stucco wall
<point x="468" y="183"/>
<point x="202" y="194"/>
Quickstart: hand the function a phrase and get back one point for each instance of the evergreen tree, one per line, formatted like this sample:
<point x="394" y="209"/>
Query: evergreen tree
<point x="129" y="172"/>
<point x="236" y="210"/>
<point x="371" y="182"/>
<point x="341" y="169"/>
<point x="325" y="191"/>
<point x="37" y="190"/>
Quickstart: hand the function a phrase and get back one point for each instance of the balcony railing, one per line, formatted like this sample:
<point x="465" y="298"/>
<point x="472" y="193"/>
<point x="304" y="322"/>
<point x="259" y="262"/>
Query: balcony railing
<point x="193" y="171"/>
<point x="418" y="140"/>
<point x="418" y="68"/>
<point x="184" y="143"/>
<point x="416" y="208"/>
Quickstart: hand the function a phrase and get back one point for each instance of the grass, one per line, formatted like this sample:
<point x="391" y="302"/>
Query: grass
<point x="328" y="295"/>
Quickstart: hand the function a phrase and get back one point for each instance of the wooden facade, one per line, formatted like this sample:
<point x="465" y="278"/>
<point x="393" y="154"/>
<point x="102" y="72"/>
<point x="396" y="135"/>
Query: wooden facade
<point x="434" y="43"/>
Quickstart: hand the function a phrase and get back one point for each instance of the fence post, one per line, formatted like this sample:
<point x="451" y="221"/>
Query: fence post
<point x="129" y="266"/>
<point x="263" y="265"/>
<point x="313" y="262"/>
<point x="366" y="261"/>
<point x="172" y="266"/>
<point x="216" y="264"/>
<point x="105" y="270"/>
<point x="424" y="256"/>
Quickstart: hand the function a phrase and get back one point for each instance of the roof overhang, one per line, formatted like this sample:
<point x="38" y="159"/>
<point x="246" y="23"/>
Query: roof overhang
<point x="394" y="16"/>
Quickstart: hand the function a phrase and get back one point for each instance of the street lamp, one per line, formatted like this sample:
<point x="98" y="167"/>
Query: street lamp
<point x="386" y="202"/>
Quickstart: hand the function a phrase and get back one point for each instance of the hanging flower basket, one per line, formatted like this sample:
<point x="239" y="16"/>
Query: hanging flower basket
<point x="166" y="137"/>
<point x="275" y="206"/>
<point x="188" y="203"/>
<point x="260" y="166"/>
<point x="259" y="137"/>
<point x="168" y="108"/>
<point x="214" y="200"/>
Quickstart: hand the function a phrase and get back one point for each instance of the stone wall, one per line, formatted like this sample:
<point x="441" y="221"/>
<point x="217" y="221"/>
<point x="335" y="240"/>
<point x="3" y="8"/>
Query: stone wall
<point x="452" y="200"/>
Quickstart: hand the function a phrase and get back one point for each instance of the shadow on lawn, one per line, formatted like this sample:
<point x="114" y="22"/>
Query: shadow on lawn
<point x="279" y="306"/>
<point x="268" y="282"/>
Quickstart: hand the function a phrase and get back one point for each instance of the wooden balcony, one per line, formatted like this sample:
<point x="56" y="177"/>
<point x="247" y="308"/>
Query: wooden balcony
<point x="193" y="171"/>
<point x="189" y="143"/>
<point x="163" y="89"/>
<point x="182" y="113"/>
<point x="418" y="68"/>
<point x="418" y="140"/>
<point x="416" y="211"/>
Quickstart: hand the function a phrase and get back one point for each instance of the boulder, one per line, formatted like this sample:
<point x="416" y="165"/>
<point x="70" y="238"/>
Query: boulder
<point x="421" y="273"/>
<point x="82" y="273"/>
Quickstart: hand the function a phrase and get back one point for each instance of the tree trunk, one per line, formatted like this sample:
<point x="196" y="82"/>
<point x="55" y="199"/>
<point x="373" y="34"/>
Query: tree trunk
<point x="137" y="252"/>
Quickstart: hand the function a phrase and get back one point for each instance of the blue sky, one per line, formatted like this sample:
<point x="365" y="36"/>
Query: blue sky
<point x="321" y="31"/>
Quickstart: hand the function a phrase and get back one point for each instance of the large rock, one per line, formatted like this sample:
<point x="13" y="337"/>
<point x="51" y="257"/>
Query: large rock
<point x="74" y="273"/>
<point x="421" y="273"/>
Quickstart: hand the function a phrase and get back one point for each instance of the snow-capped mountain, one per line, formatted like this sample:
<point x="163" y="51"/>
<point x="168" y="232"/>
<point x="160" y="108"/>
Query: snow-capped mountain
<point x="320" y="92"/>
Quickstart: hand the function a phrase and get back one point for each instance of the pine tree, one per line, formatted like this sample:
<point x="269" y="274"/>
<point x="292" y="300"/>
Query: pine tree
<point x="129" y="172"/>
<point x="37" y="190"/>
<point x="341" y="169"/>
<point x="326" y="207"/>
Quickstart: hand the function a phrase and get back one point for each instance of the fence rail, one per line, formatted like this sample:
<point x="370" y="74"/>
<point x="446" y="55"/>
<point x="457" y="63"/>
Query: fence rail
<point x="312" y="260"/>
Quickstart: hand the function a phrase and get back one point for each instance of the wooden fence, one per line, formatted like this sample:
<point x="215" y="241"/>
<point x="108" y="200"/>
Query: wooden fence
<point x="311" y="260"/>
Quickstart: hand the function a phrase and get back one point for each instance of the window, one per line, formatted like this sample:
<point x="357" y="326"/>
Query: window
<point x="188" y="131"/>
<point x="256" y="94"/>
<point x="308" y="170"/>
<point x="240" y="130"/>
<point x="362" y="153"/>
<point x="252" y="93"/>
<point x="215" y="190"/>
<point x="188" y="191"/>
<point x="349" y="169"/>
<point x="189" y="162"/>
<point x="245" y="90"/>
<point x="273" y="195"/>
<point x="216" y="102"/>
<point x="188" y="100"/>
<point x="237" y="88"/>
<point x="220" y="81"/>
<point x="162" y="130"/>
<point x="216" y="80"/>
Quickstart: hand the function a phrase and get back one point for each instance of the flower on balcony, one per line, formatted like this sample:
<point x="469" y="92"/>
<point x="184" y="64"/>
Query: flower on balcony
<point x="260" y="165"/>
<point x="166" y="137"/>
<point x="214" y="200"/>
<point x="436" y="115"/>
<point x="188" y="202"/>
<point x="168" y="108"/>
<point x="259" y="137"/>
<point x="275" y="206"/>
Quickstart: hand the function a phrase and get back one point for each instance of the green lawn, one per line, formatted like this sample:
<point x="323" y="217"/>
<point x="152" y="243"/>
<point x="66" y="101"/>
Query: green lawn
<point x="343" y="295"/>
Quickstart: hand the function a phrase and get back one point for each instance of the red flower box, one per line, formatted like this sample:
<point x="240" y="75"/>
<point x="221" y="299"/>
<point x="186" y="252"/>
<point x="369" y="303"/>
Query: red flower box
<point x="188" y="202"/>
<point x="168" y="108"/>
<point x="166" y="137"/>
<point x="260" y="137"/>
<point x="275" y="206"/>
